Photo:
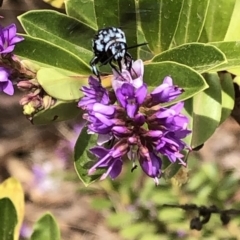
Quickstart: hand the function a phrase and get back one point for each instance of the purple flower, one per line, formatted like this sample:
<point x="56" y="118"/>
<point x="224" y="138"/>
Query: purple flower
<point x="101" y="118"/>
<point x="136" y="125"/>
<point x="165" y="92"/>
<point x="131" y="98"/>
<point x="8" y="39"/>
<point x="171" y="148"/>
<point x="95" y="93"/>
<point x="6" y="85"/>
<point x="25" y="231"/>
<point x="169" y="119"/>
<point x="42" y="180"/>
<point x="151" y="164"/>
<point x="134" y="77"/>
<point x="111" y="159"/>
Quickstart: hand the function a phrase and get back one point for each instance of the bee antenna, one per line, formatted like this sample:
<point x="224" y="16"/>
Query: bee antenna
<point x="138" y="45"/>
<point x="111" y="57"/>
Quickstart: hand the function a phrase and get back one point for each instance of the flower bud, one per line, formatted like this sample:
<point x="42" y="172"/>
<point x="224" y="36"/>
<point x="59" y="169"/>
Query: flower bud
<point x="28" y="109"/>
<point x="47" y="102"/>
<point x="27" y="84"/>
<point x="33" y="67"/>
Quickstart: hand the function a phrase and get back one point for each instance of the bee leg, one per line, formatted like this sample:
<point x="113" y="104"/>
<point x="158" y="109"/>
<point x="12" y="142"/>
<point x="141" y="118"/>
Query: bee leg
<point x="128" y="60"/>
<point x="119" y="62"/>
<point x="116" y="69"/>
<point x="95" y="71"/>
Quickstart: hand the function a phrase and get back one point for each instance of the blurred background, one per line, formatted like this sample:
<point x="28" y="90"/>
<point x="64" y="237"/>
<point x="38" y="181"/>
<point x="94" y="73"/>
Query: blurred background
<point x="131" y="207"/>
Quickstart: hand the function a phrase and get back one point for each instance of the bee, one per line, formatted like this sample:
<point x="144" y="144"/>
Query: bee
<point x="109" y="45"/>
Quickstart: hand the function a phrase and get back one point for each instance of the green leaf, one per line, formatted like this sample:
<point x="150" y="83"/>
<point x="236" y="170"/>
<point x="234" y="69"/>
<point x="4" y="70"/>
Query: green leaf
<point x="61" y="30"/>
<point x="198" y="180"/>
<point x="60" y="84"/>
<point x="163" y="197"/>
<point x="152" y="236"/>
<point x="47" y="54"/>
<point x="55" y="3"/>
<point x="46" y="228"/>
<point x="8" y="219"/>
<point x="61" y="111"/>
<point x="82" y="160"/>
<point x="170" y="214"/>
<point x="106" y="14"/>
<point x="187" y="111"/>
<point x="232" y="53"/>
<point x="204" y="193"/>
<point x="235" y="71"/>
<point x="170" y="171"/>
<point x="11" y="188"/>
<point x="232" y="34"/>
<point x="191" y="21"/>
<point x="211" y="171"/>
<point x="199" y="56"/>
<point x="128" y="22"/>
<point x="83" y="11"/>
<point x="137" y="230"/>
<point x="116" y="14"/>
<point x="217" y="21"/>
<point x="228" y="95"/>
<point x="144" y="51"/>
<point x="100" y="204"/>
<point x="183" y="76"/>
<point x="159" y="20"/>
<point x="206" y="111"/>
<point x="119" y="219"/>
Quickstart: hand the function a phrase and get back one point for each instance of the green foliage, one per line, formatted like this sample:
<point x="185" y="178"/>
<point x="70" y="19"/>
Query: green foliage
<point x="8" y="219"/>
<point x="115" y="14"/>
<point x="211" y="99"/>
<point x="191" y="21"/>
<point x="55" y="3"/>
<point x="169" y="169"/>
<point x="47" y="54"/>
<point x="61" y="85"/>
<point x="227" y="95"/>
<point x="138" y="204"/>
<point x="192" y="84"/>
<point x="216" y="24"/>
<point x="119" y="220"/>
<point x="217" y="100"/>
<point x="188" y="40"/>
<point x="46" y="228"/>
<point x="12" y="212"/>
<point x="11" y="189"/>
<point x="85" y="13"/>
<point x="83" y="161"/>
<point x="155" y="18"/>
<point x="232" y="53"/>
<point x="61" y="111"/>
<point x="63" y="32"/>
<point x="201" y="57"/>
